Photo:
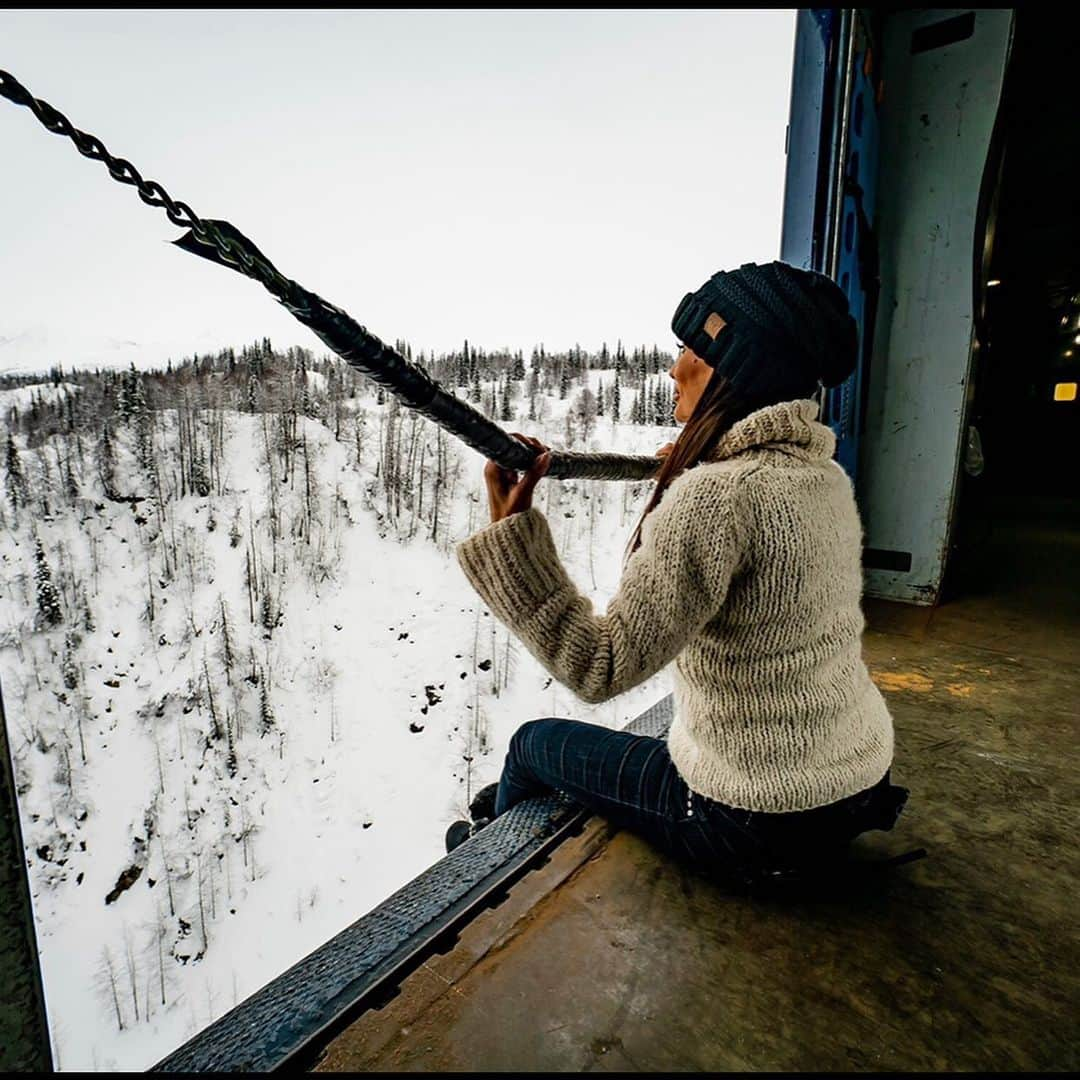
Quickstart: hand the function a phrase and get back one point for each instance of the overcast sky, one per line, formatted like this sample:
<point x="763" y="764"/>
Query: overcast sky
<point x="507" y="176"/>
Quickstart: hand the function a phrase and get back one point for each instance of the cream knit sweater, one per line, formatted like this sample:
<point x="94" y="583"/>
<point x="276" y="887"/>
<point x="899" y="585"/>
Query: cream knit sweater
<point x="749" y="577"/>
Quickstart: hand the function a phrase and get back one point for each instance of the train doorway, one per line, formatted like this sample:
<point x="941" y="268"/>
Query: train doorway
<point x="1015" y="549"/>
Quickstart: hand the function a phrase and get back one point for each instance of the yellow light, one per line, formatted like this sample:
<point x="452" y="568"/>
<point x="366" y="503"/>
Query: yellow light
<point x="1065" y="391"/>
<point x="989" y="284"/>
<point x="1076" y="340"/>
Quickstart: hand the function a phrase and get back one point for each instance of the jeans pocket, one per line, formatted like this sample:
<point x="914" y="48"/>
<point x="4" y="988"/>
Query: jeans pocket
<point x="722" y="835"/>
<point x="726" y="816"/>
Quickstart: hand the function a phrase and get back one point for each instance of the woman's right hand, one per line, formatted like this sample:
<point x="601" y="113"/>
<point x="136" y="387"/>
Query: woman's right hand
<point x="665" y="449"/>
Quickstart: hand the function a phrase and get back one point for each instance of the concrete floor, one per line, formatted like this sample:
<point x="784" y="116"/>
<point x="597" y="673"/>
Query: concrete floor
<point x="612" y="958"/>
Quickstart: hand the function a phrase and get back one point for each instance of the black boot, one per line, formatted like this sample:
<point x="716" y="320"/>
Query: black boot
<point x="457" y="834"/>
<point x="460" y="831"/>
<point x="483" y="804"/>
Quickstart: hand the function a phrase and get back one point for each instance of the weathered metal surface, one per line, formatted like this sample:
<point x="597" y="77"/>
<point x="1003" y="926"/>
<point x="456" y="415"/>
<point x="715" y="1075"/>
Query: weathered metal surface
<point x="856" y="266"/>
<point x="275" y="1024"/>
<point x="799" y="243"/>
<point x="24" y="1032"/>
<point x="936" y="119"/>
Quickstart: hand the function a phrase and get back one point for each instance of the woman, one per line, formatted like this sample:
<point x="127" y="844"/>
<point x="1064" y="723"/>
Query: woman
<point x="746" y="571"/>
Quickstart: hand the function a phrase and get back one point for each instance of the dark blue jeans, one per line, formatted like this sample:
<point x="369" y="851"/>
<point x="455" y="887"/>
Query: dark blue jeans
<point x="631" y="781"/>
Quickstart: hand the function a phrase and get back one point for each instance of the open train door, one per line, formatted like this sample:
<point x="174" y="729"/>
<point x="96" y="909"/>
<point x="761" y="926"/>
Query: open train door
<point x="892" y="117"/>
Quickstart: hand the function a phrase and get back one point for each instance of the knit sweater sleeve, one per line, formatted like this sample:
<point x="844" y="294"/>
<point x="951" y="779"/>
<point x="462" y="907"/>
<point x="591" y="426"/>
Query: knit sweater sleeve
<point x="671" y="587"/>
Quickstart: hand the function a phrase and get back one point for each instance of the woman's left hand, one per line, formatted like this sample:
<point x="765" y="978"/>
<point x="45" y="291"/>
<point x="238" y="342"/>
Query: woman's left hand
<point x="506" y="493"/>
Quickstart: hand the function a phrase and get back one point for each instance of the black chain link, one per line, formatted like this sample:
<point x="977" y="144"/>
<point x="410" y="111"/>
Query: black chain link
<point x="150" y="191"/>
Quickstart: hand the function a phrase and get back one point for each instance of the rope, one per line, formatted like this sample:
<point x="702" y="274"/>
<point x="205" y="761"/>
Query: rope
<point x="224" y="244"/>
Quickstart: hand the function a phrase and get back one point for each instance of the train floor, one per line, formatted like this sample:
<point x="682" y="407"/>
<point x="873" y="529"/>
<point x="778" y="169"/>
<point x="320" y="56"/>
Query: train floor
<point x="612" y="958"/>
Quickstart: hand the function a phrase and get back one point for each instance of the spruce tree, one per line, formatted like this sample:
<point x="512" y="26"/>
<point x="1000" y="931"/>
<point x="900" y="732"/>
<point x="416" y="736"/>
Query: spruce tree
<point x="68" y="668"/>
<point x="200" y="480"/>
<point x="235" y="533"/>
<point x="615" y="397"/>
<point x="71" y="484"/>
<point x="534" y="379"/>
<point x="87" y="614"/>
<point x="132" y="401"/>
<point x="48" y="599"/>
<point x="255" y="363"/>
<point x="107" y="460"/>
<point x="669" y="405"/>
<point x="266" y="713"/>
<point x="144" y="428"/>
<point x="16" y="478"/>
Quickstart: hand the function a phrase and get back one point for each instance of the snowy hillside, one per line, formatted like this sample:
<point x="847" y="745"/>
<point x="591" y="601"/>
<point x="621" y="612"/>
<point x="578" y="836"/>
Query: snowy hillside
<point x="247" y="685"/>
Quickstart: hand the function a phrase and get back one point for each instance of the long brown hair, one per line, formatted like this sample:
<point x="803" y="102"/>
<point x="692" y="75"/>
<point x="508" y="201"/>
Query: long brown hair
<point x="719" y="407"/>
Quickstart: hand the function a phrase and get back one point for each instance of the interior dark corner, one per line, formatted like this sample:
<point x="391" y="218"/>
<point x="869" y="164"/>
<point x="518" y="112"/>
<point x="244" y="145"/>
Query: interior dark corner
<point x="1017" y="534"/>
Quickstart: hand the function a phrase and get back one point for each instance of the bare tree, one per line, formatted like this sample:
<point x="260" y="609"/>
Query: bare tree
<point x="108" y="976"/>
<point x="132" y="971"/>
<point x="228" y="654"/>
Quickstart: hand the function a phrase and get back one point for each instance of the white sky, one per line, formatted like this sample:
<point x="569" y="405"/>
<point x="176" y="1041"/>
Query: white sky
<point x="507" y="176"/>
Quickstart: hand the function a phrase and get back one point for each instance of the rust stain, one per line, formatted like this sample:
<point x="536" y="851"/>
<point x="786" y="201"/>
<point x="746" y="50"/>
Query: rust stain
<point x="902" y="680"/>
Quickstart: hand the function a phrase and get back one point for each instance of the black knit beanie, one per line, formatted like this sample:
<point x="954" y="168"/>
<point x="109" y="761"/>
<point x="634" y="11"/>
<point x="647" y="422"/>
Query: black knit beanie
<point x="784" y="330"/>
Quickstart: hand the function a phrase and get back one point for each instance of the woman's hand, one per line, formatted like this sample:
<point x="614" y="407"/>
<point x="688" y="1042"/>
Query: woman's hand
<point x="506" y="493"/>
<point x="665" y="450"/>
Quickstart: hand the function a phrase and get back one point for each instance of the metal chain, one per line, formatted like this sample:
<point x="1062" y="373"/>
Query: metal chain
<point x="351" y="341"/>
<point x="150" y="191"/>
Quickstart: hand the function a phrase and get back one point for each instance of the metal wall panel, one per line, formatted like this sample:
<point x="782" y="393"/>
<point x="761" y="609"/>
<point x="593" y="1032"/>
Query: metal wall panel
<point x="852" y="261"/>
<point x="936" y="119"/>
<point x="24" y="1031"/>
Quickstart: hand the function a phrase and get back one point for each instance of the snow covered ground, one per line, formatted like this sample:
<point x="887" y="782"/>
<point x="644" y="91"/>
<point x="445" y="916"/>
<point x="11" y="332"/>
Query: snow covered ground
<point x="243" y="802"/>
<point x="21" y="397"/>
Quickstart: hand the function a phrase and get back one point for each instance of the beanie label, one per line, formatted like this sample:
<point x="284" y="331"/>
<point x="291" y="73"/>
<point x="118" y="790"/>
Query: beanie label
<point x="714" y="324"/>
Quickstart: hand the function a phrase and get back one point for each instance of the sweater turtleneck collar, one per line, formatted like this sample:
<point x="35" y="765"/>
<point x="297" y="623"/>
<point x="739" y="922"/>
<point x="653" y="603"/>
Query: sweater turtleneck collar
<point x="789" y="426"/>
